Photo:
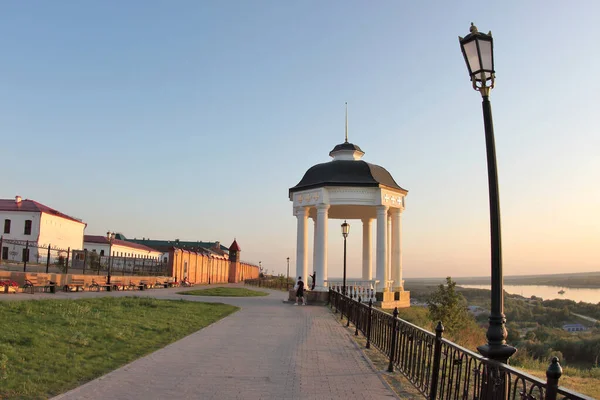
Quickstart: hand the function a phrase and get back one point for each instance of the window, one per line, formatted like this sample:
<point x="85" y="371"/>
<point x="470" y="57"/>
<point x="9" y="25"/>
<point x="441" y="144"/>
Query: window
<point x="25" y="255"/>
<point x="27" y="227"/>
<point x="101" y="252"/>
<point x="7" y="226"/>
<point x="5" y="253"/>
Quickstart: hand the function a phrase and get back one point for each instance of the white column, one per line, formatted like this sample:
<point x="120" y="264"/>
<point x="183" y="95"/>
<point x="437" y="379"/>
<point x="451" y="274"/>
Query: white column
<point x="314" y="263"/>
<point x="321" y="246"/>
<point x="301" y="242"/>
<point x="382" y="275"/>
<point x="367" y="259"/>
<point x="389" y="246"/>
<point x="397" y="249"/>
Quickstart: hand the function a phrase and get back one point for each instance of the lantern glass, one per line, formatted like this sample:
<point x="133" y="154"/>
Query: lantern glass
<point x="472" y="56"/>
<point x="485" y="52"/>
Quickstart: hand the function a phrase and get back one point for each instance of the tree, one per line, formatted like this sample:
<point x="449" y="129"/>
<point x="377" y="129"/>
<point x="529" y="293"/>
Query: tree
<point x="449" y="306"/>
<point x="513" y="335"/>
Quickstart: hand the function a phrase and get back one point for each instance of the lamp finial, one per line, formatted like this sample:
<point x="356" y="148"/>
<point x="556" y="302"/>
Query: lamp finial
<point x="473" y="28"/>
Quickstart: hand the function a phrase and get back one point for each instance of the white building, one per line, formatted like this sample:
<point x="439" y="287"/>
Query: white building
<point x="119" y="248"/>
<point x="574" y="328"/>
<point x="41" y="226"/>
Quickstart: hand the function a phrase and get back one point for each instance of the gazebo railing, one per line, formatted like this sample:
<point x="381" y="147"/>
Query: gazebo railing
<point x="355" y="289"/>
<point x="439" y="368"/>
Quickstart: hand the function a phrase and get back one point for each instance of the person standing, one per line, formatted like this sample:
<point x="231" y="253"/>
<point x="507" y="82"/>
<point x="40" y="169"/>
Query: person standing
<point x="300" y="291"/>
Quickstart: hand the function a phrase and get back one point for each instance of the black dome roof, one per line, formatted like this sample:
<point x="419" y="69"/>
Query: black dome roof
<point x="345" y="146"/>
<point x="346" y="173"/>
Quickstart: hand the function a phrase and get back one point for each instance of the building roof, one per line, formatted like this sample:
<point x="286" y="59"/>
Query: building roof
<point x="234" y="246"/>
<point x="345" y="146"/>
<point x="346" y="169"/>
<point x="33" y="206"/>
<point x="165" y="245"/>
<point x="346" y="173"/>
<point x="117" y="242"/>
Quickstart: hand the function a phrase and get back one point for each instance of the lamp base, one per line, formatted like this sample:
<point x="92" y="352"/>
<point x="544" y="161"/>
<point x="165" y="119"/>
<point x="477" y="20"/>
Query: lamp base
<point x="498" y="352"/>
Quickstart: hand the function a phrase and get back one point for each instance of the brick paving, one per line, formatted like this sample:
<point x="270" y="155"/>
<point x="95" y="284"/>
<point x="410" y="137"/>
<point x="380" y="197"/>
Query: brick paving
<point x="267" y="350"/>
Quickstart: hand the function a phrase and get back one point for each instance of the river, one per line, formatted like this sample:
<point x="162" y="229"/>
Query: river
<point x="548" y="292"/>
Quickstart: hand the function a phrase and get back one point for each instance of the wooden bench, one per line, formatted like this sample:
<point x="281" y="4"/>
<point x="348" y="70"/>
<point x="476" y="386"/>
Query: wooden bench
<point x="143" y="285"/>
<point x="34" y="283"/>
<point x="106" y="286"/>
<point x="118" y="285"/>
<point x="76" y="284"/>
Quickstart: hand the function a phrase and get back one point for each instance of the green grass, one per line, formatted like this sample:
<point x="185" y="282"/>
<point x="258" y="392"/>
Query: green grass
<point x="225" y="292"/>
<point x="50" y="346"/>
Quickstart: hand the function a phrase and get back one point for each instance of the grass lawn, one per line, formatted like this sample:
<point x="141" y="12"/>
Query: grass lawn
<point x="50" y="346"/>
<point x="226" y="292"/>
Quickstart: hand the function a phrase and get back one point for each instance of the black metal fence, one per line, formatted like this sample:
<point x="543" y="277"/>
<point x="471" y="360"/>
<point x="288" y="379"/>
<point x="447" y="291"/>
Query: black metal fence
<point x="90" y="262"/>
<point x="37" y="257"/>
<point x="276" y="283"/>
<point x="440" y="369"/>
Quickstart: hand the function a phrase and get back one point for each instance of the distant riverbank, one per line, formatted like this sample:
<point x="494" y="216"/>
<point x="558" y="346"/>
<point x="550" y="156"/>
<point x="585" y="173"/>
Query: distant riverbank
<point x="546" y="292"/>
<point x="587" y="280"/>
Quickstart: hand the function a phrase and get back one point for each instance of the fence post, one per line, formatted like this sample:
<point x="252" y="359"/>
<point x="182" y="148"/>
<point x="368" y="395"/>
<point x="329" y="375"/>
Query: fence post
<point x="349" y="312"/>
<point x="437" y="356"/>
<point x="48" y="260"/>
<point x="553" y="374"/>
<point x="1" y="248"/>
<point x="343" y="309"/>
<point x="368" y="346"/>
<point x="335" y="303"/>
<point x="67" y="261"/>
<point x="84" y="260"/>
<point x="357" y="318"/>
<point x="125" y="263"/>
<point x="25" y="256"/>
<point x="393" y="346"/>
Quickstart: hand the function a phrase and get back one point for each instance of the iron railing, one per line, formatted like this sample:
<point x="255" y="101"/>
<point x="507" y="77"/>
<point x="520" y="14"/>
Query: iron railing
<point x="439" y="368"/>
<point x="93" y="264"/>
<point x="38" y="257"/>
<point x="270" y="283"/>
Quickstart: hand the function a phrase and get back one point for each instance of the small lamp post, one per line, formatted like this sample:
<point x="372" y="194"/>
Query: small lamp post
<point x="287" y="282"/>
<point x="345" y="232"/>
<point x="478" y="51"/>
<point x="110" y="236"/>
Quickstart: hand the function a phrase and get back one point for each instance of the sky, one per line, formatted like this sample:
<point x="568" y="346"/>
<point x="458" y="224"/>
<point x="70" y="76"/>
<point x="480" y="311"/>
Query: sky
<point x="192" y="119"/>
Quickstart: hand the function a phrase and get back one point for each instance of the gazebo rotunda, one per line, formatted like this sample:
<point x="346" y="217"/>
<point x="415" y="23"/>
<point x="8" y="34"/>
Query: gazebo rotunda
<point x="349" y="188"/>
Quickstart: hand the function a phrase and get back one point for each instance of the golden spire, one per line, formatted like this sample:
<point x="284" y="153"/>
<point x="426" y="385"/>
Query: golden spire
<point x="346" y="141"/>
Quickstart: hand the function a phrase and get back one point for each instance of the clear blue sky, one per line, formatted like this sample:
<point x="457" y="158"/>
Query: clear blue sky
<point x="191" y="120"/>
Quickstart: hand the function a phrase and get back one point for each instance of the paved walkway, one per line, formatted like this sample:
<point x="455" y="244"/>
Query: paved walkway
<point x="267" y="350"/>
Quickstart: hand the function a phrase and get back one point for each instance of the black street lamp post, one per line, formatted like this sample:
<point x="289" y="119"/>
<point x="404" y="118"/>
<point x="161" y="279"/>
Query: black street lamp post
<point x="287" y="281"/>
<point x="110" y="236"/>
<point x="345" y="232"/>
<point x="478" y="51"/>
